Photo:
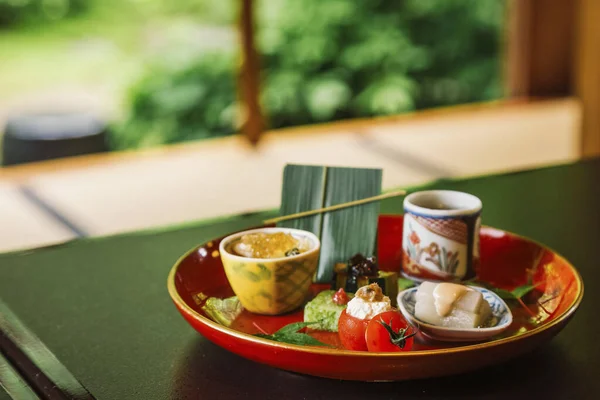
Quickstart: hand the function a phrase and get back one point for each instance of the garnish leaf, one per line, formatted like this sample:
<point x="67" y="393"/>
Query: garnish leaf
<point x="515" y="294"/>
<point x="504" y="294"/>
<point x="292" y="252"/>
<point x="404" y="284"/>
<point x="290" y="334"/>
<point x="294" y="327"/>
<point x="521" y="291"/>
<point x="299" y="338"/>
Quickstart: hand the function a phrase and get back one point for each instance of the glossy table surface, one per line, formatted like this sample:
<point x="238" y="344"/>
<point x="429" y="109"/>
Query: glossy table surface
<point x="101" y="307"/>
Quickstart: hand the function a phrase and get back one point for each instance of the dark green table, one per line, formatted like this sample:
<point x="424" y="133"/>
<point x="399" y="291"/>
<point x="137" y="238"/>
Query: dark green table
<point x="102" y="308"/>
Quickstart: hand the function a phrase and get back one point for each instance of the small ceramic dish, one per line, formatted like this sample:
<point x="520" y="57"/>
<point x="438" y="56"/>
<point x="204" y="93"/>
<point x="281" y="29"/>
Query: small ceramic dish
<point x="500" y="311"/>
<point x="271" y="286"/>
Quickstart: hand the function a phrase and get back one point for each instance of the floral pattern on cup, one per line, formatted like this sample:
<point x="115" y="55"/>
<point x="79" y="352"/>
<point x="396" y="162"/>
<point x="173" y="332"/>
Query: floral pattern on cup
<point x="431" y="254"/>
<point x="440" y="244"/>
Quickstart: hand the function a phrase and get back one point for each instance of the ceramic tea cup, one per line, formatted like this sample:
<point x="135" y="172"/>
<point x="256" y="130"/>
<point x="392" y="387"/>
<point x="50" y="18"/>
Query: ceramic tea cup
<point x="440" y="240"/>
<point x="271" y="286"/>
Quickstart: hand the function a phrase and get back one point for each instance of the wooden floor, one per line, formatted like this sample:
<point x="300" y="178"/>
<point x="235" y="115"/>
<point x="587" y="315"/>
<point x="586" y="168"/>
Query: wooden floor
<point x="54" y="201"/>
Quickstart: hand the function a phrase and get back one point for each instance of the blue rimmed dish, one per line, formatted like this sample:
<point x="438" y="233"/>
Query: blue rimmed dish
<point x="502" y="319"/>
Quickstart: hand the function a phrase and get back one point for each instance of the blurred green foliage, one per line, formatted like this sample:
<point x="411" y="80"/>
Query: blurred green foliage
<point x="24" y="13"/>
<point x="327" y="60"/>
<point x="18" y="12"/>
<point x="175" y="103"/>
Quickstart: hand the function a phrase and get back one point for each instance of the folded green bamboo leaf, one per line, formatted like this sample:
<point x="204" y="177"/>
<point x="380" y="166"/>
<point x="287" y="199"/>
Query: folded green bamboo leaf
<point x="303" y="189"/>
<point x="351" y="230"/>
<point x="345" y="232"/>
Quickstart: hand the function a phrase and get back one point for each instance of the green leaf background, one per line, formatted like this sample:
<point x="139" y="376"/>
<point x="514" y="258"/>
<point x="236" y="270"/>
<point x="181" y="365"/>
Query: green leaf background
<point x="324" y="61"/>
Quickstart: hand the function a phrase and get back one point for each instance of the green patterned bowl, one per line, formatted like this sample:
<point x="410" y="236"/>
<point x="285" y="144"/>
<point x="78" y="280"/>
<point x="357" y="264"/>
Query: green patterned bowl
<point x="271" y="286"/>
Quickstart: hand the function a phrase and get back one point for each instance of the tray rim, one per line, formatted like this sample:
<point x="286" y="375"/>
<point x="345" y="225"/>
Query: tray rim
<point x="183" y="307"/>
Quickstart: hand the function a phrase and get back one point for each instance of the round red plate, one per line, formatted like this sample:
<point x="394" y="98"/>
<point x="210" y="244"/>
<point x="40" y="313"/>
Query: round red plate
<point x="507" y="261"/>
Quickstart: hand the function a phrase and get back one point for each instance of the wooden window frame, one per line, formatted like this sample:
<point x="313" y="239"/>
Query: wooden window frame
<point x="552" y="52"/>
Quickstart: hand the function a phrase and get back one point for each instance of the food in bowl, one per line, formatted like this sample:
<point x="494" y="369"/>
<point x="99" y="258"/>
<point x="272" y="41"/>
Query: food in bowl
<point x="452" y="305"/>
<point x="271" y="285"/>
<point x="269" y="245"/>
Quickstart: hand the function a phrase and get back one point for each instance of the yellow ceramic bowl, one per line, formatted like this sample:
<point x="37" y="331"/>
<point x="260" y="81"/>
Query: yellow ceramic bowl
<point x="271" y="286"/>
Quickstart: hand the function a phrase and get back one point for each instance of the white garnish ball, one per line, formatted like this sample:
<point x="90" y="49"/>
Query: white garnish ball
<point x="361" y="309"/>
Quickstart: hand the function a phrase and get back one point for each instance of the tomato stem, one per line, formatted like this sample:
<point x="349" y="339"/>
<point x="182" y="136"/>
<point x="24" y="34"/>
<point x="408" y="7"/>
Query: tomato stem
<point x="397" y="338"/>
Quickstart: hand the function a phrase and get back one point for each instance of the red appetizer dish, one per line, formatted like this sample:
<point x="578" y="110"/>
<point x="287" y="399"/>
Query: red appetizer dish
<point x="546" y="292"/>
<point x="325" y="291"/>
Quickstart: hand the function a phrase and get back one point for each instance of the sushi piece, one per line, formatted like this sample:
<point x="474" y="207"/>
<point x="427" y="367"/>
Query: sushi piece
<point x="326" y="310"/>
<point x="451" y="305"/>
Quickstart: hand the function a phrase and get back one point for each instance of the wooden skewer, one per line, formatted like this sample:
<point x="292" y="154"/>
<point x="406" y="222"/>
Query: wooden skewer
<point x="335" y="207"/>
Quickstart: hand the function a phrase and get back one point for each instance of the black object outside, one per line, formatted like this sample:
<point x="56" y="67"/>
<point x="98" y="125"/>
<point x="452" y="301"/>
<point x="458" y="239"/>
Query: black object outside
<point x="38" y="137"/>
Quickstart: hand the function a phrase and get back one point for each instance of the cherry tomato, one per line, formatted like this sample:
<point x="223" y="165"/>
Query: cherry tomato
<point x="389" y="332"/>
<point x="352" y="332"/>
<point x="340" y="297"/>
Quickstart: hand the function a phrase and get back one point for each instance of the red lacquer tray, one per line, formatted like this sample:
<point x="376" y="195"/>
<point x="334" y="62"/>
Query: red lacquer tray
<point x="507" y="261"/>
